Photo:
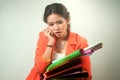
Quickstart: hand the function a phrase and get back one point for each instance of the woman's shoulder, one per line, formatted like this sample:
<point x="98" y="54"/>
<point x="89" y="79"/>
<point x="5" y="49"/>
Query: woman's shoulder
<point x="42" y="35"/>
<point x="80" y="40"/>
<point x="77" y="36"/>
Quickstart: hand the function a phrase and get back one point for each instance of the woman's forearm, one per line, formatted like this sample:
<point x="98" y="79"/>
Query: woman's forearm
<point x="48" y="51"/>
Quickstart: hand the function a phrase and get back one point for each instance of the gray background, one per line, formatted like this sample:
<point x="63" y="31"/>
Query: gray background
<point x="21" y="22"/>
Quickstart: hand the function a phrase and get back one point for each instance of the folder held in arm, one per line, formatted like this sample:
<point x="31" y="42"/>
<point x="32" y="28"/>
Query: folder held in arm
<point x="67" y="60"/>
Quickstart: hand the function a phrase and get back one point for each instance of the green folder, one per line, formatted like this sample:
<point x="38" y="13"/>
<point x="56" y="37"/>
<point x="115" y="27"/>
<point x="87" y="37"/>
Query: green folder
<point x="64" y="60"/>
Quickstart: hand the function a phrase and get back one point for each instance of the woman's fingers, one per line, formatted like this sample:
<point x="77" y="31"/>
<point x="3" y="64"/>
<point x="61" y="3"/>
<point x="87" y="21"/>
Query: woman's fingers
<point x="47" y="32"/>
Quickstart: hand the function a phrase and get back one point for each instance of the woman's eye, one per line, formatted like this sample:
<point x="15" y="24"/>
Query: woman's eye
<point x="50" y="24"/>
<point x="60" y="22"/>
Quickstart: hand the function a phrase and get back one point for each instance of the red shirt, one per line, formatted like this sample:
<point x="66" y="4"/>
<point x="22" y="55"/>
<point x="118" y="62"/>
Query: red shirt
<point x="75" y="42"/>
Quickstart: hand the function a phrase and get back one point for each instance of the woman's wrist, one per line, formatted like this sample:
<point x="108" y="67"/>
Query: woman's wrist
<point x="50" y="44"/>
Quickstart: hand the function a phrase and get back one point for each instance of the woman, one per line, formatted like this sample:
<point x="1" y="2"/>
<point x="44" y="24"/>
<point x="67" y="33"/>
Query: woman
<point x="57" y="41"/>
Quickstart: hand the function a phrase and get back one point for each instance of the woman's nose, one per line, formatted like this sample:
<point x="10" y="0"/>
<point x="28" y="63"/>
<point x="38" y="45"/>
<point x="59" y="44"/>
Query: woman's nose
<point x="56" y="26"/>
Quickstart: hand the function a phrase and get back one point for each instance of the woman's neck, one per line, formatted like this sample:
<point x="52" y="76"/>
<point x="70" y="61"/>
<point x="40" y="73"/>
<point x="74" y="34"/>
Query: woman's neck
<point x="61" y="46"/>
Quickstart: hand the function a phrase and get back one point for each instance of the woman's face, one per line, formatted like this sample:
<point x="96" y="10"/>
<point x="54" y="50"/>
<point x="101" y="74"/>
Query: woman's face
<point x="57" y="25"/>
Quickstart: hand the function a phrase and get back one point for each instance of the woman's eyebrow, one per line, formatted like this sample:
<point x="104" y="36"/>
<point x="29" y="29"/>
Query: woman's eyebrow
<point x="55" y="21"/>
<point x="58" y="20"/>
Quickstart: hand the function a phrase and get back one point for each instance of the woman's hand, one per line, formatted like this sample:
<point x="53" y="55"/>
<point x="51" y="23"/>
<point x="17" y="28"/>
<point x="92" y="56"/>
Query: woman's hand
<point x="49" y="34"/>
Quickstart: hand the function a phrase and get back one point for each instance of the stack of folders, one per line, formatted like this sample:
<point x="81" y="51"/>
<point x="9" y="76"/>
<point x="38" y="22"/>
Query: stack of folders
<point x="69" y="67"/>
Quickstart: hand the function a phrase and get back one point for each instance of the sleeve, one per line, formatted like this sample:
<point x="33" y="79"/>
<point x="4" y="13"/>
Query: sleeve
<point x="40" y="64"/>
<point x="86" y="63"/>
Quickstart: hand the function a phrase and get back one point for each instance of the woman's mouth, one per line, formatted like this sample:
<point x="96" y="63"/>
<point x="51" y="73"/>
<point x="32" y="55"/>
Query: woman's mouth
<point x="57" y="34"/>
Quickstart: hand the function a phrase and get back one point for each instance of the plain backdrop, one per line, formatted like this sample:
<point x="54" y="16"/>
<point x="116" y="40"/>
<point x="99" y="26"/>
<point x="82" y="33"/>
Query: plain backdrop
<point x="22" y="20"/>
